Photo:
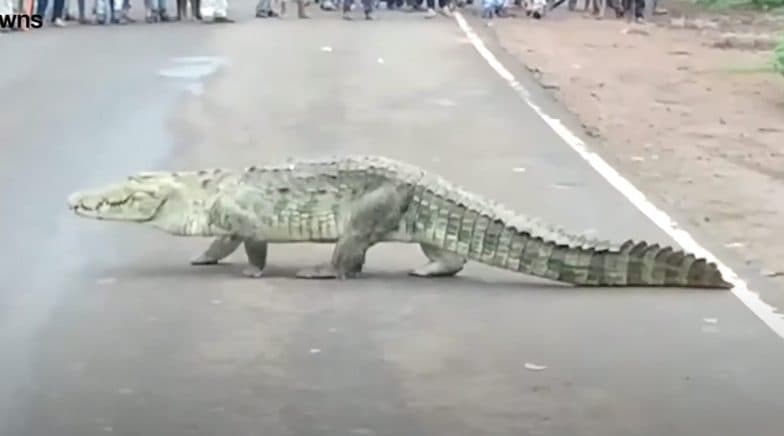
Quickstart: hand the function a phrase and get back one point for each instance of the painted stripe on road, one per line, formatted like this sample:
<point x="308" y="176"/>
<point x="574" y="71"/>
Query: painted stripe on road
<point x="752" y="300"/>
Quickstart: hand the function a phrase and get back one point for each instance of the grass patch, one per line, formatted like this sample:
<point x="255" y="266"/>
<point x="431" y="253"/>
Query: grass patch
<point x="778" y="57"/>
<point x="761" y="5"/>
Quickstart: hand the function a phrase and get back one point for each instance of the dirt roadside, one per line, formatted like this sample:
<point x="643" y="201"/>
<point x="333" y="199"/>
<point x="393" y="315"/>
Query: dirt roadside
<point x="666" y="106"/>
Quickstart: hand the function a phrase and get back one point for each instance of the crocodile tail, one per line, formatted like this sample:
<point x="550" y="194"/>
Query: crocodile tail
<point x="581" y="263"/>
<point x="631" y="264"/>
<point x="458" y="224"/>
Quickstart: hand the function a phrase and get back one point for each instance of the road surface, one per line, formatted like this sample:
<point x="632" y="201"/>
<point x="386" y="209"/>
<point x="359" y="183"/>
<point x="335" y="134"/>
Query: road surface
<point x="106" y="329"/>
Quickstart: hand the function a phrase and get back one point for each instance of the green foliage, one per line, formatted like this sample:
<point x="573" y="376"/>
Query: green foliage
<point x="778" y="57"/>
<point x="765" y="5"/>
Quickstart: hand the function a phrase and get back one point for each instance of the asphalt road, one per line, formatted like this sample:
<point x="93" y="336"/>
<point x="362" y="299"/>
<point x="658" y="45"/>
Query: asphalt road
<point x="106" y="329"/>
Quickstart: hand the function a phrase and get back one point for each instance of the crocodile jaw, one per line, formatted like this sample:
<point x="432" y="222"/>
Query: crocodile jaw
<point x="117" y="203"/>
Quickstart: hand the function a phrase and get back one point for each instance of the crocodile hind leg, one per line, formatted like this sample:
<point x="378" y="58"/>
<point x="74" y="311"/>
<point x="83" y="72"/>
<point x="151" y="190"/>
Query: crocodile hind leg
<point x="442" y="263"/>
<point x="373" y="217"/>
<point x="220" y="249"/>
<point x="257" y="257"/>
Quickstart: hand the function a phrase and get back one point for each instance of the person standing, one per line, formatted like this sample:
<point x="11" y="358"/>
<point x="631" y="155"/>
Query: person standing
<point x="57" y="11"/>
<point x="26" y="7"/>
<point x="443" y="8"/>
<point x="111" y="11"/>
<point x="6" y="8"/>
<point x="264" y="9"/>
<point x="156" y="11"/>
<point x="218" y="10"/>
<point x="82" y="12"/>
<point x="301" y="5"/>
<point x="367" y="5"/>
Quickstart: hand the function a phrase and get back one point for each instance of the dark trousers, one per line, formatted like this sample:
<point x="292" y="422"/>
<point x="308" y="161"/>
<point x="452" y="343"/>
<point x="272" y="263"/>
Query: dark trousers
<point x="431" y="4"/>
<point x="367" y="5"/>
<point x="82" y="10"/>
<point x="57" y="11"/>
<point x="639" y="6"/>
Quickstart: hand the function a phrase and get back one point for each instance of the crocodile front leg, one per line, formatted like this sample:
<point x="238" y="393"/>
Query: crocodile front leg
<point x="257" y="257"/>
<point x="220" y="249"/>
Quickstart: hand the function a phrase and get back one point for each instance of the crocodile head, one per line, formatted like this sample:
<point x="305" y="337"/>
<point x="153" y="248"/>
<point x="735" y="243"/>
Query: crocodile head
<point x="173" y="202"/>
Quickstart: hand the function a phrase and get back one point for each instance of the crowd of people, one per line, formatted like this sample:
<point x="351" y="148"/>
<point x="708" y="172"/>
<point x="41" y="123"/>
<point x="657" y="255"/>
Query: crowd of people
<point x="216" y="11"/>
<point x="60" y="12"/>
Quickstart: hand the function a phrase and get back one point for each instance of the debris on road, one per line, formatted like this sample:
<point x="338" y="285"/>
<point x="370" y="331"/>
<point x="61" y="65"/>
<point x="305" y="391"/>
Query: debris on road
<point x="534" y="367"/>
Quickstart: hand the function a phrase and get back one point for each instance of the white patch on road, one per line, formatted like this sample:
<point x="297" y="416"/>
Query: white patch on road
<point x="193" y="71"/>
<point x="444" y="102"/>
<point x="326" y="49"/>
<point x="764" y="311"/>
<point x="194" y="68"/>
<point x="534" y="367"/>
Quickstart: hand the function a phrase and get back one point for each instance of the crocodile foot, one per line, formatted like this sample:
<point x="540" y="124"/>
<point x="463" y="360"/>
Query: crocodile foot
<point x="203" y="260"/>
<point x="436" y="269"/>
<point x="253" y="272"/>
<point x="325" y="272"/>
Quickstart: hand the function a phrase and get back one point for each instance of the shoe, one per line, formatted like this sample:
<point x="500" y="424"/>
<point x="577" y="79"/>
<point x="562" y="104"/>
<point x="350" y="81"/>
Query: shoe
<point x="59" y="22"/>
<point x="221" y="19"/>
<point x="430" y="13"/>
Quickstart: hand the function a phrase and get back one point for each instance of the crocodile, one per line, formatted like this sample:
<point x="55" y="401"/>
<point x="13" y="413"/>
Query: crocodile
<point x="356" y="202"/>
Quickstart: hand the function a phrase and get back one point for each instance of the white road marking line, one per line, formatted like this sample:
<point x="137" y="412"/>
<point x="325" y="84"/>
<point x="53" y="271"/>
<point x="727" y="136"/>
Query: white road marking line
<point x="764" y="311"/>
